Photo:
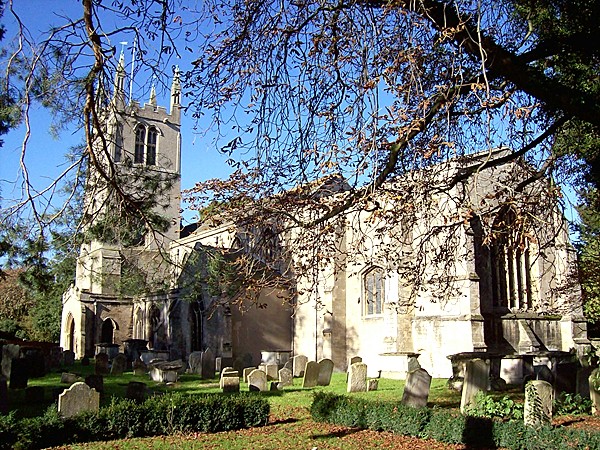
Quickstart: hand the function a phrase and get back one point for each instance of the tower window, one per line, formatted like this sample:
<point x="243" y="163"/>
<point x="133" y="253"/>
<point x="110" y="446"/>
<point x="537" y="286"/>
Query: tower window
<point x="118" y="142"/>
<point x="140" y="140"/>
<point x="373" y="291"/>
<point x="151" y="147"/>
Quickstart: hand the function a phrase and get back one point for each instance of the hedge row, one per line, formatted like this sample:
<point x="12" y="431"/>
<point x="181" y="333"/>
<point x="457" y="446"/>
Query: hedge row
<point x="445" y="426"/>
<point x="123" y="418"/>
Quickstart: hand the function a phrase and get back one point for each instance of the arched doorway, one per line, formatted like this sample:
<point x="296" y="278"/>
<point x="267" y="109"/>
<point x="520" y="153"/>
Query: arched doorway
<point x="108" y="331"/>
<point x="70" y="343"/>
<point x="156" y="329"/>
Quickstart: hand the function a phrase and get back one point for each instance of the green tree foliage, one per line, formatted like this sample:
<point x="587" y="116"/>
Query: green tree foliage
<point x="589" y="254"/>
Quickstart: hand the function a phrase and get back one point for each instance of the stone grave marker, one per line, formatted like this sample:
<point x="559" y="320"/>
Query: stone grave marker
<point x="257" y="380"/>
<point x="357" y="377"/>
<point x="19" y="374"/>
<point x="544" y="373"/>
<point x="413" y="364"/>
<point x="227" y="372"/>
<point x="246" y="372"/>
<point x="325" y="372"/>
<point x="95" y="382"/>
<point x="594" y="391"/>
<point x="165" y="372"/>
<point x="195" y="363"/>
<point x="354" y="359"/>
<point x="136" y="390"/>
<point x="271" y="370"/>
<point x="298" y="365"/>
<point x="119" y="364"/>
<point x="69" y="378"/>
<point x="68" y="357"/>
<point x="230" y="381"/>
<point x="139" y="368"/>
<point x="208" y="364"/>
<point x="286" y="378"/>
<point x="102" y="364"/>
<point x="9" y="352"/>
<point x="416" y="389"/>
<point x="36" y="364"/>
<point x="476" y="380"/>
<point x="77" y="399"/>
<point x="289" y="364"/>
<point x="539" y="395"/>
<point x="311" y="374"/>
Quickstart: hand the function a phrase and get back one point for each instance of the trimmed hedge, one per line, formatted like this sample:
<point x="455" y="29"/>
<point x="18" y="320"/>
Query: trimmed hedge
<point x="167" y="414"/>
<point x="445" y="426"/>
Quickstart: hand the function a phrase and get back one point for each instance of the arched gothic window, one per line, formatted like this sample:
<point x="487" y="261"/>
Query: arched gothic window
<point x="373" y="291"/>
<point x="511" y="265"/>
<point x="140" y="144"/>
<point x="151" y="147"/>
<point x="118" y="142"/>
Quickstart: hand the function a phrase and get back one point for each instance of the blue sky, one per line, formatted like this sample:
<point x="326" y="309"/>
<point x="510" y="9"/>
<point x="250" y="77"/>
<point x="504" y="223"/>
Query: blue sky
<point x="45" y="153"/>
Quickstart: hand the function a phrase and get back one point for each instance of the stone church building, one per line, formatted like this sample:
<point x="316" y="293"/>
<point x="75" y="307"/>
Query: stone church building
<point x="512" y="296"/>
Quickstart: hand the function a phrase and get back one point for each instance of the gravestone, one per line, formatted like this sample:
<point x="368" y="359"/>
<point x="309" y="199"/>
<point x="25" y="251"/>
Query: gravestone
<point x="9" y="352"/>
<point x="311" y="374"/>
<point x="102" y="364"/>
<point x="36" y="364"/>
<point x="538" y="403"/>
<point x="69" y="378"/>
<point x="476" y="380"/>
<point x="373" y="384"/>
<point x="543" y="373"/>
<point x="195" y="363"/>
<point x="3" y="396"/>
<point x="19" y="374"/>
<point x="139" y="368"/>
<point x="595" y="390"/>
<point x="270" y="369"/>
<point x="95" y="382"/>
<point x="230" y="381"/>
<point x="257" y="380"/>
<point x="289" y="364"/>
<point x="325" y="372"/>
<point x="68" y="357"/>
<point x="136" y="390"/>
<point x="353" y="360"/>
<point x="34" y="394"/>
<point x="286" y="378"/>
<point x="583" y="381"/>
<point x="357" y="377"/>
<point x="165" y="372"/>
<point x="298" y="365"/>
<point x="246" y="372"/>
<point x="77" y="399"/>
<point x="119" y="364"/>
<point x="227" y="372"/>
<point x="219" y="364"/>
<point x="413" y="364"/>
<point x="208" y="364"/>
<point x="416" y="389"/>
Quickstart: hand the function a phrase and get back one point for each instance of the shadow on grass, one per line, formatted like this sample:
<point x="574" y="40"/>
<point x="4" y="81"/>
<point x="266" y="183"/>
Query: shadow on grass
<point x="336" y="434"/>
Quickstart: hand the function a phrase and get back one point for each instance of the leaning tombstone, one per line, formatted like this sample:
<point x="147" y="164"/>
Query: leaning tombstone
<point x="325" y="372"/>
<point x="357" y="377"/>
<point x="247" y="371"/>
<point x="119" y="364"/>
<point x="136" y="391"/>
<point x="19" y="374"/>
<point x="102" y="364"/>
<point x="416" y="389"/>
<point x="476" y="380"/>
<point x="286" y="378"/>
<point x="95" y="382"/>
<point x="539" y="396"/>
<point x="311" y="374"/>
<point x="77" y="399"/>
<point x="257" y="380"/>
<point x="298" y="365"/>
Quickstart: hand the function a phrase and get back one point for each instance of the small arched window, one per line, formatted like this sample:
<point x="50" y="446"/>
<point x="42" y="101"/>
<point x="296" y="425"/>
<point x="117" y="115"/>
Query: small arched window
<point x="118" y="142"/>
<point x="140" y="144"/>
<point x="373" y="291"/>
<point x="151" y="147"/>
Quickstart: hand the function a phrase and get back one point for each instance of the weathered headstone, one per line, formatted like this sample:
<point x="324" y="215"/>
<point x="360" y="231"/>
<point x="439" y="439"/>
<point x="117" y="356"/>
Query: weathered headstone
<point x="68" y="357"/>
<point x="286" y="378"/>
<point x="77" y="399"/>
<point x="257" y="380"/>
<point x="353" y="360"/>
<point x="543" y="373"/>
<point x="69" y="378"/>
<point x="413" y="364"/>
<point x="289" y="364"/>
<point x="230" y="381"/>
<point x="311" y="374"/>
<point x="246" y="372"/>
<point x="195" y="363"/>
<point x="9" y="352"/>
<point x="34" y="394"/>
<point x="139" y="368"/>
<point x="357" y="377"/>
<point x="219" y="364"/>
<point x="95" y="382"/>
<point x="325" y="372"/>
<point x="36" y="364"/>
<point x="165" y="372"/>
<point x="271" y="370"/>
<point x="227" y="372"/>
<point x="373" y="384"/>
<point x="594" y="383"/>
<point x="416" y="389"/>
<point x="19" y="374"/>
<point x="136" y="390"/>
<point x="208" y="364"/>
<point x="298" y="365"/>
<point x="119" y="364"/>
<point x="102" y="364"/>
<point x="476" y="380"/>
<point x="539" y="396"/>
